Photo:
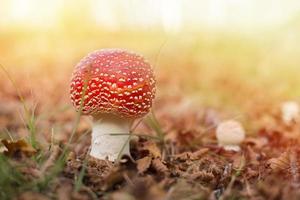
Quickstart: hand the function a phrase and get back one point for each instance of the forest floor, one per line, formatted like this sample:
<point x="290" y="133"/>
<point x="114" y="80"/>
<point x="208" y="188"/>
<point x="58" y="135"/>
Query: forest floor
<point x="174" y="150"/>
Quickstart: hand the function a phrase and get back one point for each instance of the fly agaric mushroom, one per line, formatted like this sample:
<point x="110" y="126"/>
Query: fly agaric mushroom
<point x="290" y="111"/>
<point x="115" y="87"/>
<point x="230" y="134"/>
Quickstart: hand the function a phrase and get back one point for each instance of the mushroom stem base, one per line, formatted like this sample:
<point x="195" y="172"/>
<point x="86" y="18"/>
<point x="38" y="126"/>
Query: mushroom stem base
<point x="232" y="147"/>
<point x="110" y="138"/>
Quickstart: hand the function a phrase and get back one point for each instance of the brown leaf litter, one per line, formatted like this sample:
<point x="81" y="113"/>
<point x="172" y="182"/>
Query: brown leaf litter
<point x="17" y="148"/>
<point x="186" y="164"/>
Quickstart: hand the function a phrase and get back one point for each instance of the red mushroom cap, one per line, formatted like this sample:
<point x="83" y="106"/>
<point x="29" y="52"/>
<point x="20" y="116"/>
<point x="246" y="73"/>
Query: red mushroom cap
<point x="114" y="81"/>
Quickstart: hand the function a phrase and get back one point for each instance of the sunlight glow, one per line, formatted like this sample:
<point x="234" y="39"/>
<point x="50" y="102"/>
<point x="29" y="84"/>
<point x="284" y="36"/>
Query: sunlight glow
<point x="103" y="12"/>
<point x="171" y="15"/>
<point x="20" y="9"/>
<point x="34" y="12"/>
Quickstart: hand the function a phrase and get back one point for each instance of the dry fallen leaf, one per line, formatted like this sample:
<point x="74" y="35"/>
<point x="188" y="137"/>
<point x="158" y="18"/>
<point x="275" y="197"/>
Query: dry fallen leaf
<point x="159" y="166"/>
<point x="152" y="148"/>
<point x="280" y="163"/>
<point x="143" y="164"/>
<point x="191" y="155"/>
<point x="202" y="176"/>
<point x="198" y="154"/>
<point x="114" y="177"/>
<point x="19" y="146"/>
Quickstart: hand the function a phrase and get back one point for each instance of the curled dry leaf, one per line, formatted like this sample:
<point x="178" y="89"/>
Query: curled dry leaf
<point x="191" y="155"/>
<point x="152" y="148"/>
<point x="159" y="166"/>
<point x="280" y="163"/>
<point x="19" y="146"/>
<point x="182" y="156"/>
<point x="143" y="164"/>
<point x="115" y="176"/>
<point x="202" y="176"/>
<point x="198" y="154"/>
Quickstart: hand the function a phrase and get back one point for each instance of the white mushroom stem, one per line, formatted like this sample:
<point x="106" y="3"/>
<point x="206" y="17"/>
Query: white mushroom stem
<point x="110" y="137"/>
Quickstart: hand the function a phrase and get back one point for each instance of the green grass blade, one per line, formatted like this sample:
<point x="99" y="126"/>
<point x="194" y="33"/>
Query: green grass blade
<point x="79" y="181"/>
<point x="30" y="118"/>
<point x="152" y="121"/>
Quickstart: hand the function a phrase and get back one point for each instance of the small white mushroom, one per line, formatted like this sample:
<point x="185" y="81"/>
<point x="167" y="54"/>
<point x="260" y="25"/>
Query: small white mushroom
<point x="290" y="111"/>
<point x="230" y="134"/>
